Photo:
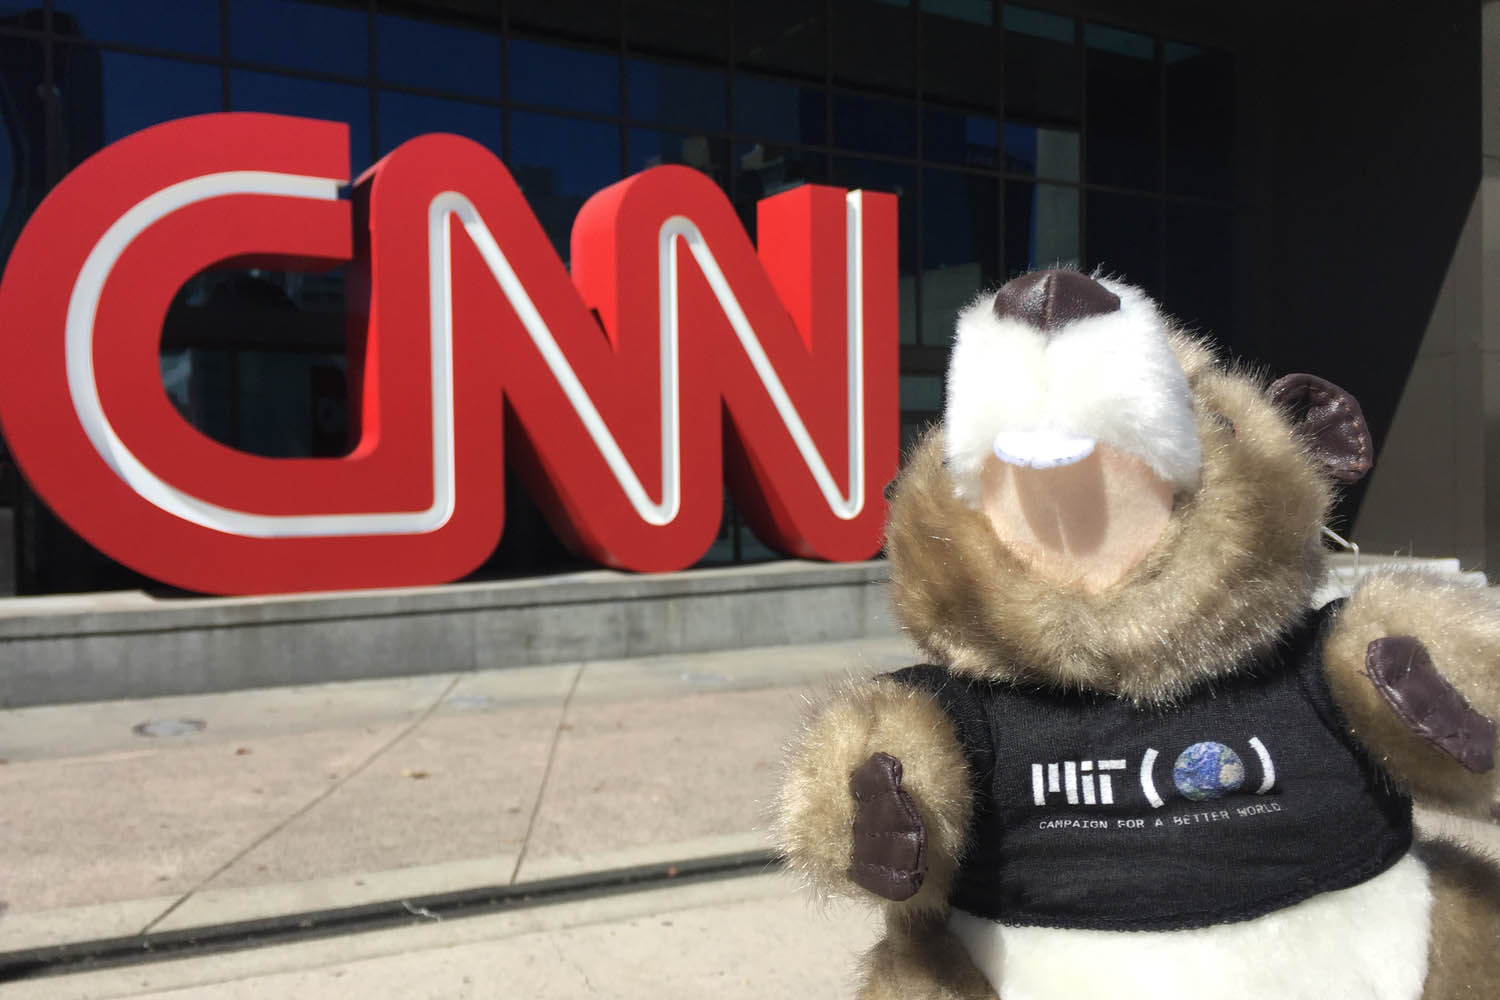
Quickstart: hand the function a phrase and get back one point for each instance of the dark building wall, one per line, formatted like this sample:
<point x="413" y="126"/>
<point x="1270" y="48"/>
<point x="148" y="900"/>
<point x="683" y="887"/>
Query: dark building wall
<point x="1368" y="165"/>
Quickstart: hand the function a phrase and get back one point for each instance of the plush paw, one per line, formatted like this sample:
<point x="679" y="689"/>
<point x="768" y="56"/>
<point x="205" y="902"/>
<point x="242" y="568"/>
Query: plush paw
<point x="890" y="842"/>
<point x="1402" y="671"/>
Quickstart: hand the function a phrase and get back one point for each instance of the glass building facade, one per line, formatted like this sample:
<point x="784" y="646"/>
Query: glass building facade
<point x="1015" y="135"/>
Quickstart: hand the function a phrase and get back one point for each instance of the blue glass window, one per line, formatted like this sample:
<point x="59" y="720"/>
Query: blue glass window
<point x="1038" y="24"/>
<point x="560" y="163"/>
<point x="958" y="40"/>
<point x="300" y="36"/>
<point x="22" y="13"/>
<point x="767" y="170"/>
<point x="1124" y="238"/>
<point x="874" y="126"/>
<point x="645" y="147"/>
<point x="1041" y="226"/>
<point x="1043" y="66"/>
<point x="1200" y="286"/>
<point x="180" y="25"/>
<point x="1044" y="152"/>
<point x="960" y="246"/>
<point x="968" y="140"/>
<point x="417" y="53"/>
<point x="23" y="147"/>
<point x="676" y="95"/>
<point x="1124" y="97"/>
<point x="557" y="76"/>
<point x="109" y="95"/>
<point x="693" y="29"/>
<point x="921" y="393"/>
<point x="286" y="95"/>
<point x="874" y="44"/>
<point x="594" y="19"/>
<point x="1199" y="121"/>
<point x="406" y="116"/>
<point x="784" y="36"/>
<point x="779" y="111"/>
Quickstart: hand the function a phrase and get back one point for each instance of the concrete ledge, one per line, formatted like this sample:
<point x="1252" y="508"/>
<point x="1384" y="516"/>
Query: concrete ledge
<point x="131" y="645"/>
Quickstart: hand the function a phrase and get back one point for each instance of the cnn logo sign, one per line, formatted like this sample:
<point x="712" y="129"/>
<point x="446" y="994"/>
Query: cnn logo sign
<point x="675" y="357"/>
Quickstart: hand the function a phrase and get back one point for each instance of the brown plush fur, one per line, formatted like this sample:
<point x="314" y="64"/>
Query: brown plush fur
<point x="921" y="960"/>
<point x="815" y="812"/>
<point x="1463" y="960"/>
<point x="1460" y="626"/>
<point x="1237" y="565"/>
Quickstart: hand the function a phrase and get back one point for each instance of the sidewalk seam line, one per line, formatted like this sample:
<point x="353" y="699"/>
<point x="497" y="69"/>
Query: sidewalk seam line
<point x="311" y="804"/>
<point x="541" y="792"/>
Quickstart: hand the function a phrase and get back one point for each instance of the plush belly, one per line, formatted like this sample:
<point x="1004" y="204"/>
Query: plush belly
<point x="1368" y="942"/>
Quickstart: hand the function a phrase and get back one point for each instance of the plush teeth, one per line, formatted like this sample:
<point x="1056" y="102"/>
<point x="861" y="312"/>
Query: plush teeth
<point x="1042" y="449"/>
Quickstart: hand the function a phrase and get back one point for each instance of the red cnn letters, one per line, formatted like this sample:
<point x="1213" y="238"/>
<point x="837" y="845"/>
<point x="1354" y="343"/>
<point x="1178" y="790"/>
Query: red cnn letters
<point x="470" y="345"/>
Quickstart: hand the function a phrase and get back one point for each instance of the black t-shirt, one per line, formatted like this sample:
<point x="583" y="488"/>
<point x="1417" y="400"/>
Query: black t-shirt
<point x="1090" y="812"/>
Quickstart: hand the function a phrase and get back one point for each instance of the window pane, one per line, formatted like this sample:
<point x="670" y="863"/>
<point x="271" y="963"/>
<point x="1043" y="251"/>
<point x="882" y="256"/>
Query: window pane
<point x="787" y="36"/>
<point x="961" y="53"/>
<point x="417" y="53"/>
<point x="785" y="112"/>
<point x="595" y="20"/>
<point x="182" y="25"/>
<point x="559" y="163"/>
<point x="1044" y="152"/>
<point x="300" y="36"/>
<point x="405" y="116"/>
<point x="1041" y="226"/>
<point x="677" y="95"/>
<point x="1200" y="286"/>
<point x="1200" y="121"/>
<point x="1124" y="238"/>
<point x="900" y="179"/>
<point x="23" y="147"/>
<point x="1124" y="129"/>
<point x="1043" y="67"/>
<point x="286" y="95"/>
<point x="922" y="393"/>
<point x="291" y="404"/>
<point x="558" y="76"/>
<point x="109" y="95"/>
<point x="960" y="247"/>
<point x="200" y="383"/>
<point x="21" y="14"/>
<point x="969" y="140"/>
<point x="255" y="360"/>
<point x="981" y="12"/>
<point x="683" y="27"/>
<point x="874" y="126"/>
<point x="646" y="147"/>
<point x="875" y="44"/>
<point x="767" y="170"/>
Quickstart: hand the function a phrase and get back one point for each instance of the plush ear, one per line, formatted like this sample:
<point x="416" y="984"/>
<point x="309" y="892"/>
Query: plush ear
<point x="1331" y="423"/>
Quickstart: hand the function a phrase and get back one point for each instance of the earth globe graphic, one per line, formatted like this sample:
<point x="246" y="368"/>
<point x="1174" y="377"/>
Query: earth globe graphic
<point x="1207" y="771"/>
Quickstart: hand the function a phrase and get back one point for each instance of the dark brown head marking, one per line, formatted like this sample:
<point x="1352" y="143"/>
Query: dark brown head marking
<point x="1051" y="299"/>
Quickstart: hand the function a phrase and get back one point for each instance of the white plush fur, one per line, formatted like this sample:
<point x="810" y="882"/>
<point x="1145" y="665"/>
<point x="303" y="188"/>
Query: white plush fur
<point x="1368" y="942"/>
<point x="1112" y="378"/>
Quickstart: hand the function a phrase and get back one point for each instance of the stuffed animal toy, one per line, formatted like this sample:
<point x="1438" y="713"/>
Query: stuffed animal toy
<point x="1141" y="763"/>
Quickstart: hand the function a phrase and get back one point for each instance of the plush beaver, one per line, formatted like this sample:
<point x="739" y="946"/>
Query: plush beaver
<point x="1141" y="763"/>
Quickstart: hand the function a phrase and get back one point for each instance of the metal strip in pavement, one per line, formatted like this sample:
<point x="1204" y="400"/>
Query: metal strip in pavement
<point x="191" y="942"/>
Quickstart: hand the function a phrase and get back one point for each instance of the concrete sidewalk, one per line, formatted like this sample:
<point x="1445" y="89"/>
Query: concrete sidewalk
<point x="322" y="796"/>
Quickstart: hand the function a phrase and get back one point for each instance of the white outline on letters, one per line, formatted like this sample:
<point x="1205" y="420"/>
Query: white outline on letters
<point x="83" y="307"/>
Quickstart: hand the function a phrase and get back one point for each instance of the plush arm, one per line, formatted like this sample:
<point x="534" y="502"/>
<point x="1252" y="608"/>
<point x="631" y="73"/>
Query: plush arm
<point x="816" y="810"/>
<point x="1414" y="662"/>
